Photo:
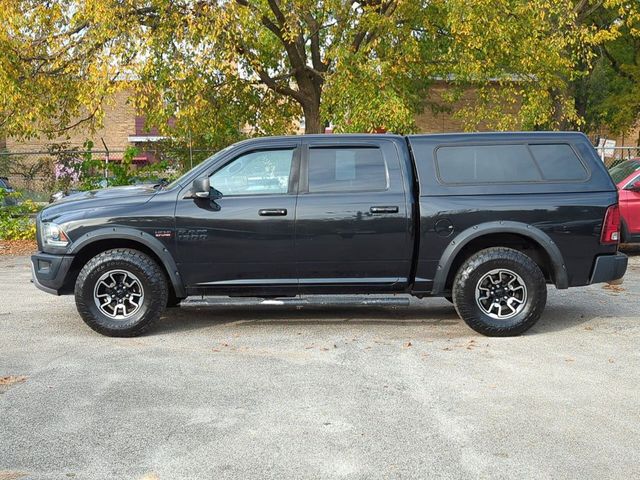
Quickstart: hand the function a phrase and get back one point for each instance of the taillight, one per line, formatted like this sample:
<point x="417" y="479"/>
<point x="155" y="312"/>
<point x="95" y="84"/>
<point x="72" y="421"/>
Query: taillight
<point x="611" y="226"/>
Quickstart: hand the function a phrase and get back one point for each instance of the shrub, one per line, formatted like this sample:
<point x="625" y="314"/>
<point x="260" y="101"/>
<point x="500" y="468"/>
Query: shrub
<point x="16" y="218"/>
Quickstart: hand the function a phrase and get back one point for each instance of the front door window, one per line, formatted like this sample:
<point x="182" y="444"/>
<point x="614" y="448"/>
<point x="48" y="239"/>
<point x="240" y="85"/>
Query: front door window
<point x="256" y="173"/>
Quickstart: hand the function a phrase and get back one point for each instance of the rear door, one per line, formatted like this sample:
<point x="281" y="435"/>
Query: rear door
<point x="352" y="217"/>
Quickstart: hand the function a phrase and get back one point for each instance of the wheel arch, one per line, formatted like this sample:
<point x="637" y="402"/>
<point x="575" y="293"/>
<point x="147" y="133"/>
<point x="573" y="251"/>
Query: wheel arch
<point x="104" y="239"/>
<point x="455" y="252"/>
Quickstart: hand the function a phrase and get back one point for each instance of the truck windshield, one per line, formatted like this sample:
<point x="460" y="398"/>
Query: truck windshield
<point x="180" y="180"/>
<point x="623" y="170"/>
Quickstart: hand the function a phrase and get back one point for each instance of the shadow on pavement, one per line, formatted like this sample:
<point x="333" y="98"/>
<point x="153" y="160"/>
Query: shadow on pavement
<point x="555" y="318"/>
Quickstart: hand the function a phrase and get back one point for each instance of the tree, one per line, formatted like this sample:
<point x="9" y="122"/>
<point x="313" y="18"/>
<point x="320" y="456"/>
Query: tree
<point x="267" y="61"/>
<point x="543" y="59"/>
<point x="58" y="63"/>
<point x="204" y="69"/>
<point x="609" y="96"/>
<point x="214" y="65"/>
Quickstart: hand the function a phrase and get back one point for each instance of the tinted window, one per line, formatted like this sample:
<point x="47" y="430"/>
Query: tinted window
<point x="346" y="170"/>
<point x="623" y="170"/>
<point x="256" y="173"/>
<point x="486" y="164"/>
<point x="558" y="162"/>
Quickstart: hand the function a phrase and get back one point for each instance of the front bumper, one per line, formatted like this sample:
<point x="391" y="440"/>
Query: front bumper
<point x="49" y="272"/>
<point x="607" y="268"/>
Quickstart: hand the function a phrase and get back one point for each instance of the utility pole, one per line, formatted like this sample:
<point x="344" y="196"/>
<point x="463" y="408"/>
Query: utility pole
<point x="106" y="162"/>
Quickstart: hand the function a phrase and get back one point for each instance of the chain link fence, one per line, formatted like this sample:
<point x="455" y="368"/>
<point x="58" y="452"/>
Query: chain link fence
<point x="611" y="156"/>
<point x="34" y="172"/>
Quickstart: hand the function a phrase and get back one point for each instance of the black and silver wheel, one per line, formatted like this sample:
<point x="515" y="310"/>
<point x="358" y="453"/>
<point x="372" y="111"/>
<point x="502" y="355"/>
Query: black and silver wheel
<point x="500" y="292"/>
<point x="121" y="292"/>
<point x="118" y="294"/>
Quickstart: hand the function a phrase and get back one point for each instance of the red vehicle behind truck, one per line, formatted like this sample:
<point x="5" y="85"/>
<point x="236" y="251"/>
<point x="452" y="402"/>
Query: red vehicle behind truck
<point x="626" y="176"/>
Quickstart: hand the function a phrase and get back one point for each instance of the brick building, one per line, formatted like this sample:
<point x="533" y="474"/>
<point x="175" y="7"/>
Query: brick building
<point x="121" y="128"/>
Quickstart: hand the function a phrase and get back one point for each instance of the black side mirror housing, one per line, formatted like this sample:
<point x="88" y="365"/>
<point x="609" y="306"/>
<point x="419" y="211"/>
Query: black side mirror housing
<point x="201" y="188"/>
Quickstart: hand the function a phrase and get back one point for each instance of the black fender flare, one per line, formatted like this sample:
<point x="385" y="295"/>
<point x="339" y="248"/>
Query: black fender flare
<point x="138" y="236"/>
<point x="463" y="238"/>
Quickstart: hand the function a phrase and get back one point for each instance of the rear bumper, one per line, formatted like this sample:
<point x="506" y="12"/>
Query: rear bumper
<point x="49" y="272"/>
<point x="607" y="268"/>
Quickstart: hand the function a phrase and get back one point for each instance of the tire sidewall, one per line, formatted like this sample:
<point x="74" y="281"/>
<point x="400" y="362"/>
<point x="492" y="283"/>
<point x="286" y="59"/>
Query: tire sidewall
<point x="152" y="282"/>
<point x="464" y="291"/>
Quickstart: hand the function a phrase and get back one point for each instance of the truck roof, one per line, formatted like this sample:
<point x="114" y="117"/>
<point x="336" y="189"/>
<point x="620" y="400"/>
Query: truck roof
<point x="461" y="135"/>
<point x="500" y="136"/>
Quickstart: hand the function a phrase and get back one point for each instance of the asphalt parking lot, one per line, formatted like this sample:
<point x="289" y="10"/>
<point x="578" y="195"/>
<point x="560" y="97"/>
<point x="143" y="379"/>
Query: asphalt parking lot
<point x="267" y="391"/>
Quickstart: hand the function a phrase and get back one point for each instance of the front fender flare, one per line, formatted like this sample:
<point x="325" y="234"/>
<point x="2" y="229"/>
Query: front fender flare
<point x="140" y="237"/>
<point x="529" y="231"/>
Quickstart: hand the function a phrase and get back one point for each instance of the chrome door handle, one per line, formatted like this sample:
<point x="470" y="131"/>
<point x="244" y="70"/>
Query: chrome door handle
<point x="272" y="212"/>
<point x="384" y="209"/>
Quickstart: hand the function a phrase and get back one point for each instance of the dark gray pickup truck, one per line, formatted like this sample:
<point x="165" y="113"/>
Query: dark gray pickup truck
<point x="485" y="220"/>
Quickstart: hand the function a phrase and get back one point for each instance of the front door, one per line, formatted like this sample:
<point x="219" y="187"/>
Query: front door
<point x="242" y="242"/>
<point x="352" y="219"/>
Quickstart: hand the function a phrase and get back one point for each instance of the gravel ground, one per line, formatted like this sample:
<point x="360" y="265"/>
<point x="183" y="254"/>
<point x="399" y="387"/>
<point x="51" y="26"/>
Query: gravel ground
<point x="263" y="392"/>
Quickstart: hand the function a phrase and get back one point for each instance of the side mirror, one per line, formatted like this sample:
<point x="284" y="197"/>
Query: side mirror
<point x="201" y="188"/>
<point x="635" y="187"/>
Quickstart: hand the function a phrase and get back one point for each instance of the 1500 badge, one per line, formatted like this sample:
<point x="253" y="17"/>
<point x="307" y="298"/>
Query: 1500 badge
<point x="189" y="235"/>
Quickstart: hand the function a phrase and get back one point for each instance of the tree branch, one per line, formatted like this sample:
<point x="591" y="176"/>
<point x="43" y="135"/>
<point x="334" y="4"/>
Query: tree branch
<point x="616" y="65"/>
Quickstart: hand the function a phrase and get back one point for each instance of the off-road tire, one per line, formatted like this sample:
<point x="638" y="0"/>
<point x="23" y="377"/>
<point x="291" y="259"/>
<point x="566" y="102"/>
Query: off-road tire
<point x="480" y="264"/>
<point x="151" y="276"/>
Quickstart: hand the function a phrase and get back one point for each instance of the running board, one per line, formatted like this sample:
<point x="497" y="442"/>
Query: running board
<point x="297" y="302"/>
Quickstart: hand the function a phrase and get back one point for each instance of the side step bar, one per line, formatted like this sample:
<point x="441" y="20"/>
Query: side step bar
<point x="298" y="302"/>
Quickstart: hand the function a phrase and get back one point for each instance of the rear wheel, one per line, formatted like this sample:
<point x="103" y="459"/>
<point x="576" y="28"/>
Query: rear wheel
<point x="500" y="292"/>
<point x="121" y="292"/>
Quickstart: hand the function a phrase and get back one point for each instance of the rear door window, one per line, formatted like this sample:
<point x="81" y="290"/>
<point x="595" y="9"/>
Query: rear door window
<point x="349" y="169"/>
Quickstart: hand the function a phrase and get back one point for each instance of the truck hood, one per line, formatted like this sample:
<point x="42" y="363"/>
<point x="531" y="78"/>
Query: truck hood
<point x="94" y="199"/>
<point x="113" y="192"/>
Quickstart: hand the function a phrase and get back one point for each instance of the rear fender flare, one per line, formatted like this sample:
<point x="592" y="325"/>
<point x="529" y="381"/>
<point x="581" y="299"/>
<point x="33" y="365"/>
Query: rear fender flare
<point x="463" y="238"/>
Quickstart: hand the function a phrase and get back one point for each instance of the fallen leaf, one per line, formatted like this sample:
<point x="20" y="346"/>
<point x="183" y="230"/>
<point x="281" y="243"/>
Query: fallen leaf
<point x="151" y="476"/>
<point x="9" y="475"/>
<point x="408" y="344"/>
<point x="12" y="380"/>
<point x="613" y="288"/>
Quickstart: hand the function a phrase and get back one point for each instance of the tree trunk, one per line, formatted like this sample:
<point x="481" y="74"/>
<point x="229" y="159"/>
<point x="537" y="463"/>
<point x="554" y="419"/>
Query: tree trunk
<point x="312" y="121"/>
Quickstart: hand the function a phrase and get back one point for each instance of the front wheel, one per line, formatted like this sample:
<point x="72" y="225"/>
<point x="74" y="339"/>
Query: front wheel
<point x="121" y="292"/>
<point x="499" y="292"/>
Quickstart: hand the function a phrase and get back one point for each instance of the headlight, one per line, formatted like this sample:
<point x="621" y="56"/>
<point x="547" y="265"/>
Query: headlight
<point x="53" y="235"/>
